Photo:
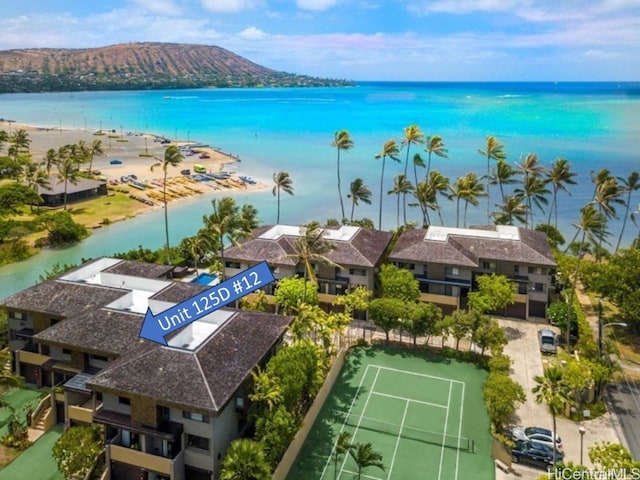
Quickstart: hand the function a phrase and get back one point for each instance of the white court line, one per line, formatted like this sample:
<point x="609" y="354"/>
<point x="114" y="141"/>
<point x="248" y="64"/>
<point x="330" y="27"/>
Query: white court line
<point x="444" y="435"/>
<point x="364" y="409"/>
<point x="353" y="401"/>
<point x="364" y="475"/>
<point x="460" y="431"/>
<point x="417" y="374"/>
<point x="409" y="400"/>
<point x="395" y="450"/>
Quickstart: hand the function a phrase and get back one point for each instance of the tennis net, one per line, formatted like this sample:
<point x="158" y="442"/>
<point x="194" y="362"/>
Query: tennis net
<point x="412" y="433"/>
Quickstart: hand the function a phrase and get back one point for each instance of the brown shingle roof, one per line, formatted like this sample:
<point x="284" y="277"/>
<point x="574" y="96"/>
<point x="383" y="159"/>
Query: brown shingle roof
<point x="140" y="269"/>
<point x="63" y="299"/>
<point x="204" y="380"/>
<point x="365" y="249"/>
<point x="104" y="332"/>
<point x="466" y="250"/>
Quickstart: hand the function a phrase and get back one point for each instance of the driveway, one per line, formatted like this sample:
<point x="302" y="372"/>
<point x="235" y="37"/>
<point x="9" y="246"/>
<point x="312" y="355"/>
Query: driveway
<point x="527" y="363"/>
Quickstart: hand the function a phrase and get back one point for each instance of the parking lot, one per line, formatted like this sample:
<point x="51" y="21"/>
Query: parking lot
<point x="528" y="362"/>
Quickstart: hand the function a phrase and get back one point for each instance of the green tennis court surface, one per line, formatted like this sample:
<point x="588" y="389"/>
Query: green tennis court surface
<point x="425" y="416"/>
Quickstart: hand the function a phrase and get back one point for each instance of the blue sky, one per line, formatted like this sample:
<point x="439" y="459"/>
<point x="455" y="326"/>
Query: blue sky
<point x="426" y="40"/>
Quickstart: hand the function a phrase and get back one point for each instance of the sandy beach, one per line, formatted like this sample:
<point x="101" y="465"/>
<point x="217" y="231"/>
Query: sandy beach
<point x="137" y="152"/>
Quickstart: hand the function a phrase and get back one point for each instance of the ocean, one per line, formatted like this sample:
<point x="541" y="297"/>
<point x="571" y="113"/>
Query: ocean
<point x="593" y="125"/>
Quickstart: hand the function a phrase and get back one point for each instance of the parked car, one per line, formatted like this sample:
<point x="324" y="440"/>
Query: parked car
<point x="536" y="434"/>
<point x="534" y="453"/>
<point x="547" y="340"/>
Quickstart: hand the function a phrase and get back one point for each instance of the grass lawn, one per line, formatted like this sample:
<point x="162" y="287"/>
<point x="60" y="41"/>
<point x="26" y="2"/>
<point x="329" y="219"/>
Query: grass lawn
<point x="36" y="462"/>
<point x="17" y="399"/>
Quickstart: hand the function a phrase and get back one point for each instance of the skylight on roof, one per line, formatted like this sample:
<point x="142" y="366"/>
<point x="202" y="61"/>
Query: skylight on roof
<point x="196" y="333"/>
<point x="502" y="232"/>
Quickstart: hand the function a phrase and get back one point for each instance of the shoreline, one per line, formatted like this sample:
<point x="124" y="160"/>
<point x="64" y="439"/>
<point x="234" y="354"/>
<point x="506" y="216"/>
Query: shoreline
<point x="137" y="152"/>
<point x="128" y="157"/>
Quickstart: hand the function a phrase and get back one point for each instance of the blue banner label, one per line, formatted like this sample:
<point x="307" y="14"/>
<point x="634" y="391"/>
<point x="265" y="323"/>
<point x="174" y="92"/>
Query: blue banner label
<point x="156" y="326"/>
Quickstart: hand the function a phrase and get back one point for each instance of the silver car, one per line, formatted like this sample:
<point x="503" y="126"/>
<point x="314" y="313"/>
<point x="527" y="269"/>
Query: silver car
<point x="536" y="434"/>
<point x="547" y="339"/>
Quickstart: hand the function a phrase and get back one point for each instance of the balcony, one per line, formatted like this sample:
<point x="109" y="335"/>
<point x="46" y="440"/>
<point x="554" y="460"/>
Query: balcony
<point x="82" y="413"/>
<point x="32" y="358"/>
<point x="453" y="281"/>
<point x="140" y="459"/>
<point x="439" y="299"/>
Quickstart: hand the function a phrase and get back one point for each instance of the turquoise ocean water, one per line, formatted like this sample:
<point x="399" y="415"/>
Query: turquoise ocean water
<point x="593" y="125"/>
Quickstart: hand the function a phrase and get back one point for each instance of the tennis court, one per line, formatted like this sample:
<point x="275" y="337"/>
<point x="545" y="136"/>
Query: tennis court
<point x="425" y="416"/>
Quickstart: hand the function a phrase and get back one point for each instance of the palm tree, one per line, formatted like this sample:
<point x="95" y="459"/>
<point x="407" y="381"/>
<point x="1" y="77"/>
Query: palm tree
<point x="412" y="136"/>
<point x="311" y="247"/>
<point x="199" y="245"/>
<point x="245" y="459"/>
<point x="282" y="182"/>
<point x="469" y="189"/>
<point x="67" y="170"/>
<point x="629" y="185"/>
<point x="342" y="447"/>
<point x="8" y="381"/>
<point x="607" y="195"/>
<point x="502" y="174"/>
<point x="20" y="142"/>
<point x="172" y="158"/>
<point x="511" y="210"/>
<point x="389" y="149"/>
<point x="559" y="176"/>
<point x="535" y="193"/>
<point x="95" y="150"/>
<point x="35" y="177"/>
<point x="439" y="184"/>
<point x="230" y="223"/>
<point x="401" y="186"/>
<point x="552" y="390"/>
<point x="359" y="192"/>
<point x="341" y="141"/>
<point x="266" y="389"/>
<point x="533" y="188"/>
<point x="3" y="139"/>
<point x="417" y="162"/>
<point x="365" y="456"/>
<point x="435" y="145"/>
<point x="50" y="159"/>
<point x="426" y="197"/>
<point x="494" y="150"/>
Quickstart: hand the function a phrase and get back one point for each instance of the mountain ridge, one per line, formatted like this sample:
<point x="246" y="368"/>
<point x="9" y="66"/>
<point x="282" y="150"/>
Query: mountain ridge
<point x="138" y="65"/>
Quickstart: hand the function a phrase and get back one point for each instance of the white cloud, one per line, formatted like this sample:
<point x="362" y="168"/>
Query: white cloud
<point x="252" y="33"/>
<point x="316" y="5"/>
<point x="161" y="7"/>
<point x="228" y="6"/>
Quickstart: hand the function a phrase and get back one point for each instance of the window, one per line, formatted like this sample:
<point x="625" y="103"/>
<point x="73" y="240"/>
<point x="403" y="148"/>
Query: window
<point x="232" y="264"/>
<point x="537" y="270"/>
<point x="451" y="271"/>
<point x="16" y="315"/>
<point x="489" y="265"/>
<point x="197" y="442"/>
<point x="196" y="417"/>
<point x="124" y="400"/>
<point x="516" y="269"/>
<point x="66" y="351"/>
<point x="537" y="287"/>
<point x="99" y="358"/>
<point x="522" y="288"/>
<point x="408" y="266"/>
<point x="361" y="272"/>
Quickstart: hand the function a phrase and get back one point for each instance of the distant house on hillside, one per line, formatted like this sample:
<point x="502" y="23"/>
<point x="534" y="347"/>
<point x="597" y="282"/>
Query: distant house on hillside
<point x="83" y="190"/>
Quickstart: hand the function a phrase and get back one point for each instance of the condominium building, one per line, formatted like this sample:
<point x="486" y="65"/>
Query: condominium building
<point x="358" y="252"/>
<point x="169" y="411"/>
<point x="446" y="262"/>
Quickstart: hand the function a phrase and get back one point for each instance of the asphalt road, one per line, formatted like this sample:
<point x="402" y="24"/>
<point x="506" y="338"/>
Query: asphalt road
<point x="624" y="399"/>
